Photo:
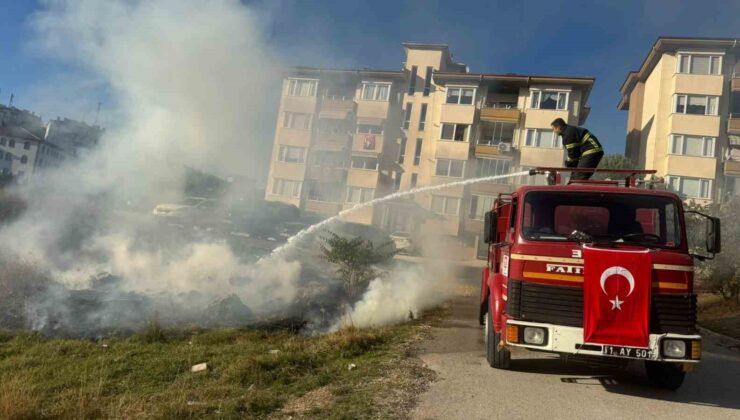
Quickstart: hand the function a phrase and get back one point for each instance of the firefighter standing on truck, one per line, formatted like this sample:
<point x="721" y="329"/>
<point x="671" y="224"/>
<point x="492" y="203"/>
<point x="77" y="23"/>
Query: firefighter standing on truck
<point x="583" y="148"/>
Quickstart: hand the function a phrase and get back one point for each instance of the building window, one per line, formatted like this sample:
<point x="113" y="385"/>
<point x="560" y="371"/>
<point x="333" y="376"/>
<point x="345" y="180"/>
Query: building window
<point x="324" y="191"/>
<point x="450" y="167"/>
<point x="412" y="80"/>
<point x="2" y="141"/>
<point x="302" y="87"/>
<point x="369" y="129"/>
<point x="496" y="133"/>
<point x="27" y="145"/>
<point x="330" y="159"/>
<point x="11" y="143"/>
<point x="691" y="145"/>
<point x="549" y="99"/>
<point x="364" y="162"/>
<point x="691" y="187"/>
<point x="455" y="132"/>
<point x="538" y="137"/>
<point x="414" y="180"/>
<point x="696" y="104"/>
<point x="297" y="120"/>
<point x="8" y="156"/>
<point x="493" y="167"/>
<point x="460" y="95"/>
<point x="417" y="152"/>
<point x="699" y="64"/>
<point x="24" y="159"/>
<point x="407" y="117"/>
<point x="423" y="117"/>
<point x="479" y="205"/>
<point x="375" y="91"/>
<point x="445" y="205"/>
<point x="286" y="187"/>
<point x="360" y="195"/>
<point x="397" y="181"/>
<point x="291" y="154"/>
<point x="402" y="150"/>
<point x="428" y="81"/>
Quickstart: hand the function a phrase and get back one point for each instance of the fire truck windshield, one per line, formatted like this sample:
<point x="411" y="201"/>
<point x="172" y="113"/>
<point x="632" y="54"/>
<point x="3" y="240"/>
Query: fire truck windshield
<point x="617" y="218"/>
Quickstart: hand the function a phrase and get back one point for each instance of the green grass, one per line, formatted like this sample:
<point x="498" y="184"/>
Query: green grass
<point x="149" y="376"/>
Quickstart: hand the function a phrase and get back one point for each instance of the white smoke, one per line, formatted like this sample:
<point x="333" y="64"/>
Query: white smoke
<point x="193" y="84"/>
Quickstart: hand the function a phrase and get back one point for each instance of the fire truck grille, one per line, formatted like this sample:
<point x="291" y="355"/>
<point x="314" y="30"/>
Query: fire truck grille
<point x="563" y="305"/>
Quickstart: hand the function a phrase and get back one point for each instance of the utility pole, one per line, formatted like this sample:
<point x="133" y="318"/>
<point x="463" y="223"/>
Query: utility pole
<point x="97" y="114"/>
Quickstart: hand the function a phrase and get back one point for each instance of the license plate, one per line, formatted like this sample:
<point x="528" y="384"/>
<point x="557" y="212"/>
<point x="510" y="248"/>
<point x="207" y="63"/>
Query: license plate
<point x="630" y="352"/>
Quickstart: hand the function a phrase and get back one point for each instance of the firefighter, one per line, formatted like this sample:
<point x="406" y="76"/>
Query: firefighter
<point x="584" y="149"/>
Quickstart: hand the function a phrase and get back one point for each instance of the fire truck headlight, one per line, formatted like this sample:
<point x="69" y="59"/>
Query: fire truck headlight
<point x="534" y="335"/>
<point x="675" y="349"/>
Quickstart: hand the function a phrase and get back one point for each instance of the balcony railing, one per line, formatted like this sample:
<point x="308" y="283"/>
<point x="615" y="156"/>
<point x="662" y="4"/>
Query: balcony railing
<point x="336" y="106"/>
<point x="487" y="147"/>
<point x="499" y="111"/>
<point x="733" y="124"/>
<point x="735" y="84"/>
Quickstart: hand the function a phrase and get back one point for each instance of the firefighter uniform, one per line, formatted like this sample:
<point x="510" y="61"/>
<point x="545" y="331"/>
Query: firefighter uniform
<point x="583" y="149"/>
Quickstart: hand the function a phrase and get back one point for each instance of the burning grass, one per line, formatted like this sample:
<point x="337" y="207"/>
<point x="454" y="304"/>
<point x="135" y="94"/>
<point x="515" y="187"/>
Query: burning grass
<point x="250" y="374"/>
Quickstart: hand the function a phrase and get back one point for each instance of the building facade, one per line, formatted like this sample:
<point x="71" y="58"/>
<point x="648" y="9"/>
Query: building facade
<point x="344" y="137"/>
<point x="684" y="115"/>
<point x="24" y="153"/>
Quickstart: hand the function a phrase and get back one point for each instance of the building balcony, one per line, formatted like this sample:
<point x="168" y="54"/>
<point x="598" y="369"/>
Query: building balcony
<point x="735" y="83"/>
<point x="322" y="207"/>
<point x="494" y="149"/>
<point x="301" y="104"/>
<point x="732" y="168"/>
<point x="331" y="141"/>
<point x="337" y="107"/>
<point x="372" y="111"/>
<point x="365" y="178"/>
<point x="733" y="124"/>
<point x="294" y="137"/>
<point x="494" y="112"/>
<point x="367" y="143"/>
<point x="327" y="174"/>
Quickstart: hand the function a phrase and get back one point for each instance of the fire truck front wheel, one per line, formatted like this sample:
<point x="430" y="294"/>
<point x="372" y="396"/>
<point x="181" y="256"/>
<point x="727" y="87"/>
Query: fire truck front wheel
<point x="664" y="375"/>
<point x="498" y="356"/>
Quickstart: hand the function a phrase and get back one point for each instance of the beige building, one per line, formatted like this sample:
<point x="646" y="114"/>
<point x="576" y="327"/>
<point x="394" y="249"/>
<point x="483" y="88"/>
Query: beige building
<point x="684" y="115"/>
<point x="347" y="136"/>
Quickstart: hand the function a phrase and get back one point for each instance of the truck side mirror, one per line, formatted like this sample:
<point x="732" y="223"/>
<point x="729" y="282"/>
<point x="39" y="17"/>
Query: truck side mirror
<point x="713" y="235"/>
<point x="489" y="227"/>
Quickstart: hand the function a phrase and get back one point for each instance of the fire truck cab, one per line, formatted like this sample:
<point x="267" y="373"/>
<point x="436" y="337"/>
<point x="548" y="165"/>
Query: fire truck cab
<point x="532" y="287"/>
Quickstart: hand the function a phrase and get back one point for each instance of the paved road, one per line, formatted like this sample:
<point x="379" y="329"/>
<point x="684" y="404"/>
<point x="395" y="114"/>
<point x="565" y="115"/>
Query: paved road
<point x="540" y="386"/>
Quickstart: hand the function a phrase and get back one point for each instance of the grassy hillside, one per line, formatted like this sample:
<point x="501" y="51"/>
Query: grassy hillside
<point x="349" y="374"/>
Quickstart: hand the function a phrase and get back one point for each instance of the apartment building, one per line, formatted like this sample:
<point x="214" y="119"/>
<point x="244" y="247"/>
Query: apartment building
<point x="684" y="115"/>
<point x="347" y="136"/>
<point x="25" y="153"/>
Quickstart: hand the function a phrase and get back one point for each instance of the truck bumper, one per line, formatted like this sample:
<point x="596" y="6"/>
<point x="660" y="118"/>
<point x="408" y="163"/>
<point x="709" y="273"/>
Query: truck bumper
<point x="569" y="340"/>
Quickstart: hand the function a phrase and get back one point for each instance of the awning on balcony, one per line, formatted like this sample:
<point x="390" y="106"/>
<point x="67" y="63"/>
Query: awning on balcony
<point x="734" y="140"/>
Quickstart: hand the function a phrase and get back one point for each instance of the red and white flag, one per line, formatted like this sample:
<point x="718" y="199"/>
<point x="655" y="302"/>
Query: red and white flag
<point x="616" y="297"/>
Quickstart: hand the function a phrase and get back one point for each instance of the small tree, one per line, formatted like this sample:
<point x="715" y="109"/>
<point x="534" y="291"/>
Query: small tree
<point x="355" y="259"/>
<point x="722" y="274"/>
<point x="613" y="162"/>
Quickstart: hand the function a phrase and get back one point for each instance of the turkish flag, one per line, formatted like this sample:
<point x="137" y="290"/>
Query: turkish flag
<point x="616" y="296"/>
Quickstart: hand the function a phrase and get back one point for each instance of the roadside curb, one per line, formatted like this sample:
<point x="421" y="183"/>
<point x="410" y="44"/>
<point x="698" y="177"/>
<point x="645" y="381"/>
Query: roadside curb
<point x="705" y="330"/>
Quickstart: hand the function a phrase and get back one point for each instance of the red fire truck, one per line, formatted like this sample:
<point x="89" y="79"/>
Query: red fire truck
<point x="534" y="290"/>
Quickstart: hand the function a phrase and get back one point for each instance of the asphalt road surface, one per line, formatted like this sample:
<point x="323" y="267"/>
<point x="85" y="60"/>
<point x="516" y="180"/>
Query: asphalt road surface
<point x="540" y="386"/>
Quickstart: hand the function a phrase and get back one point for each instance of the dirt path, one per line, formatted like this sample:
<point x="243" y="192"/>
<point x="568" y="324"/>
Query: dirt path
<point x="541" y="386"/>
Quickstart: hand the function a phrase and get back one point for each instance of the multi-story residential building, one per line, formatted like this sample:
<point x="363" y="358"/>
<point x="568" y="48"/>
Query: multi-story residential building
<point x="73" y="137"/>
<point x="24" y="153"/>
<point x="684" y="115"/>
<point x="347" y="136"/>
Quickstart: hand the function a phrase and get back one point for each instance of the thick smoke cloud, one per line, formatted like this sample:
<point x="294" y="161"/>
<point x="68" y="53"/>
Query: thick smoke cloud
<point x="194" y="84"/>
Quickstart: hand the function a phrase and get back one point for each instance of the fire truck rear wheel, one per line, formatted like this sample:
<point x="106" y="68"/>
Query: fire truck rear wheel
<point x="498" y="356"/>
<point x="664" y="375"/>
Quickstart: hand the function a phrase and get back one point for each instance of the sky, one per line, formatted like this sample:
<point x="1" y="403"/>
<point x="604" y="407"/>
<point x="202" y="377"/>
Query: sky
<point x="603" y="39"/>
